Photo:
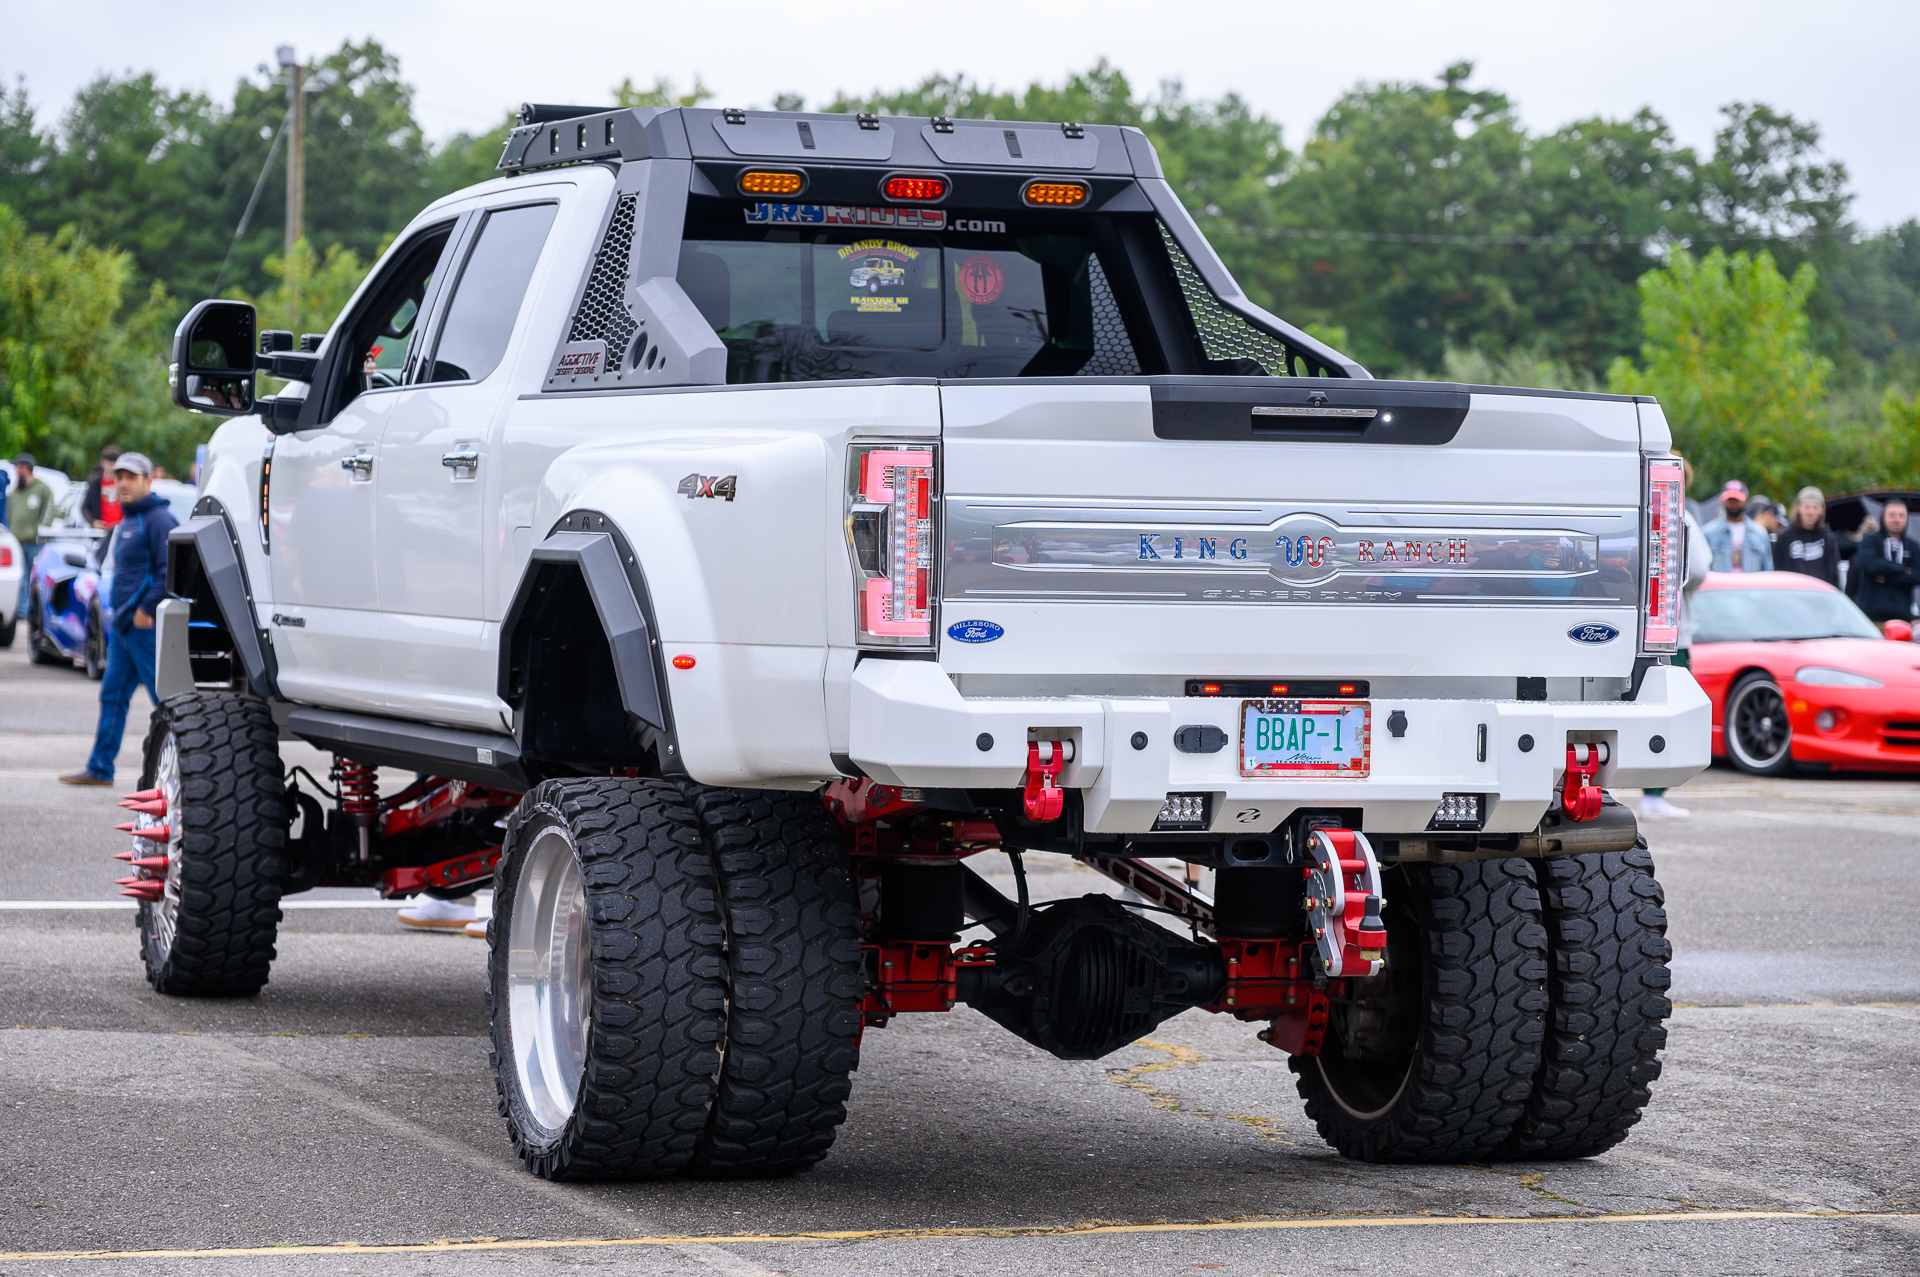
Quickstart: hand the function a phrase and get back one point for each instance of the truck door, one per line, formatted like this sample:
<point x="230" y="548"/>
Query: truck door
<point x="437" y="655"/>
<point x="321" y="493"/>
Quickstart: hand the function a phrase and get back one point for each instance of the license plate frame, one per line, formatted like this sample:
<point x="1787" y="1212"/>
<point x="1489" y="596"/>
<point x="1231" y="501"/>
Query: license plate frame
<point x="1355" y="768"/>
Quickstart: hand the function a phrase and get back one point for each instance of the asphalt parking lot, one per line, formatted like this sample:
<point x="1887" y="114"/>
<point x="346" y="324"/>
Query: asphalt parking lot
<point x="343" y="1121"/>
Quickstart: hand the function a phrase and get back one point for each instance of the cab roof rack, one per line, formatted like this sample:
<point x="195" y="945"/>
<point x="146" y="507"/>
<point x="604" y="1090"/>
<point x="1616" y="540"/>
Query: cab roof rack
<point x="548" y="136"/>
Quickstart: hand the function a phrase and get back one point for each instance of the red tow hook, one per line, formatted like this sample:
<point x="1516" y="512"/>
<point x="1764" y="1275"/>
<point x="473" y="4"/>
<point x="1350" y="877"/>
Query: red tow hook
<point x="1045" y="800"/>
<point x="1580" y="798"/>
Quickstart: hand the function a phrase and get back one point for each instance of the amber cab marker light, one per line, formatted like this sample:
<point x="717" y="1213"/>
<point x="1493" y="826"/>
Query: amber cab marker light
<point x="1055" y="194"/>
<point x="921" y="189"/>
<point x="764" y="182"/>
<point x="683" y="662"/>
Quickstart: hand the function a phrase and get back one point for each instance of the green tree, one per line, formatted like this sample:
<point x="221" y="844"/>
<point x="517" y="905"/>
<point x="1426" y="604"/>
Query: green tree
<point x="78" y="366"/>
<point x="1728" y="353"/>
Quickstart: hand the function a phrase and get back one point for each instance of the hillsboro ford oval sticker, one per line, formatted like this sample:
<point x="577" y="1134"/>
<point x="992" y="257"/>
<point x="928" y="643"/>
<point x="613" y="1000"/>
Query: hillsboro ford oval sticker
<point x="974" y="631"/>
<point x="1593" y="632"/>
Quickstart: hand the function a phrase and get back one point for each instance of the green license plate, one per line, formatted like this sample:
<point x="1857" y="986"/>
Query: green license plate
<point x="1305" y="738"/>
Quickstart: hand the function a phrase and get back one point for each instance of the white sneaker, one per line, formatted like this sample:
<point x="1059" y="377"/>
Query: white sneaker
<point x="437" y="914"/>
<point x="1656" y="807"/>
<point x="477" y="928"/>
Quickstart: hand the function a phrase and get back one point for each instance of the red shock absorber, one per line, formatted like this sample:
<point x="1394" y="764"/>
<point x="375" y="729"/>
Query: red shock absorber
<point x="359" y="798"/>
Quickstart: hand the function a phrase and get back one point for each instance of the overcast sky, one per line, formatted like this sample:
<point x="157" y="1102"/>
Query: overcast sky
<point x="1853" y="66"/>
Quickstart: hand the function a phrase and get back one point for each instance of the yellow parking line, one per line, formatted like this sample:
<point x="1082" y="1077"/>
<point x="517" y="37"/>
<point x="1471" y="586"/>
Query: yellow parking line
<point x="921" y="1234"/>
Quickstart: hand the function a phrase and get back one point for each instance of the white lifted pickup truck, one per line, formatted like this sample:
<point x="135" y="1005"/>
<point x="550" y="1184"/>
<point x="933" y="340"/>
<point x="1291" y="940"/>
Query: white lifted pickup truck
<point x="737" y="520"/>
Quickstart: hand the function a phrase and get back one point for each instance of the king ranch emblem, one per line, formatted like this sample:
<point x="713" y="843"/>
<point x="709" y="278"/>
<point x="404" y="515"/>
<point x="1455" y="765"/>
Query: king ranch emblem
<point x="1307" y="550"/>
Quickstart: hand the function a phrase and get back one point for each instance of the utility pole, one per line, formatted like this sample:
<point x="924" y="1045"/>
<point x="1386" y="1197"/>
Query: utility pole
<point x="296" y="162"/>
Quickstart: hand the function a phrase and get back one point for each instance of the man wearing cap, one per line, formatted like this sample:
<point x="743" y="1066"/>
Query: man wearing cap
<point x="28" y="506"/>
<point x="139" y="583"/>
<point x="1738" y="543"/>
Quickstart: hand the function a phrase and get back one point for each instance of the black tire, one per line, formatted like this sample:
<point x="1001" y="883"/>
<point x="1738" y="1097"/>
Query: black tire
<point x="7" y="628"/>
<point x="795" y="982"/>
<point x="39" y="650"/>
<point x="1758" y="735"/>
<point x="1607" y="987"/>
<point x="95" y="650"/>
<point x="650" y="980"/>
<point x="212" y="932"/>
<point x="1444" y="1073"/>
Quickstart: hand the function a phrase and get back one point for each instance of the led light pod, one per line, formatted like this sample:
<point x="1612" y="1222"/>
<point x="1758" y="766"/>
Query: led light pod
<point x="891" y="518"/>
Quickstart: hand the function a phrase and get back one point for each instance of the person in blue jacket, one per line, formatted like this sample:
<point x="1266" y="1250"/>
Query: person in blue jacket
<point x="139" y="583"/>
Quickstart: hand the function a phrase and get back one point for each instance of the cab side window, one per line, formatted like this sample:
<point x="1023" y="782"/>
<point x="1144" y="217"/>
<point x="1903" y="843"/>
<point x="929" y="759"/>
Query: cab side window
<point x="377" y="341"/>
<point x="486" y="300"/>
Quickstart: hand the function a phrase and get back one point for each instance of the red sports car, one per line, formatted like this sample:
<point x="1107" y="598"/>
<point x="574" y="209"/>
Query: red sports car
<point x="1798" y="674"/>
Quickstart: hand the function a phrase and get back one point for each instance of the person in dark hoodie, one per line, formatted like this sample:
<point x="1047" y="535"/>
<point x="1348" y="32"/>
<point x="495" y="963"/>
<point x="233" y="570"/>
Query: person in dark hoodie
<point x="1807" y="545"/>
<point x="139" y="583"/>
<point x="1886" y="564"/>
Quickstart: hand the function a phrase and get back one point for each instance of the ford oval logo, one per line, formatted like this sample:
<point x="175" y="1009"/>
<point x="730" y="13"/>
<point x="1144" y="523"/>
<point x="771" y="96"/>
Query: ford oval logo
<point x="1593" y="632"/>
<point x="974" y="631"/>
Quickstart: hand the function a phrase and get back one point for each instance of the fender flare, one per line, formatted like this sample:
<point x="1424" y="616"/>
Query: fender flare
<point x="208" y="539"/>
<point x="592" y="544"/>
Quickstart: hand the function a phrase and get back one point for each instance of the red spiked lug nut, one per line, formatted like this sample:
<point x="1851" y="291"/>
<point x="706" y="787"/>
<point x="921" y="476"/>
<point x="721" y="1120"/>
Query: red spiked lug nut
<point x="154" y="833"/>
<point x="126" y="828"/>
<point x="123" y="855"/>
<point x="151" y="864"/>
<point x="148" y="891"/>
<point x="150" y="807"/>
<point x="143" y="796"/>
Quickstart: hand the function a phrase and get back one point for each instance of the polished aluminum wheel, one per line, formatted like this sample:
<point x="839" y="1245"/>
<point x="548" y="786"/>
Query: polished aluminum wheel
<point x="166" y="910"/>
<point x="548" y="994"/>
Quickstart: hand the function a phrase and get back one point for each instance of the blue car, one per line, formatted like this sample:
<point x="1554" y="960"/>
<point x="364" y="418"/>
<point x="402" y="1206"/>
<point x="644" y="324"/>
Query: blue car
<point x="66" y="596"/>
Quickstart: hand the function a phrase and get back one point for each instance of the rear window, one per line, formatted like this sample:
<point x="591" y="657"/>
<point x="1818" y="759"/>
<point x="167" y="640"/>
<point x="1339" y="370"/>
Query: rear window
<point x="1023" y="296"/>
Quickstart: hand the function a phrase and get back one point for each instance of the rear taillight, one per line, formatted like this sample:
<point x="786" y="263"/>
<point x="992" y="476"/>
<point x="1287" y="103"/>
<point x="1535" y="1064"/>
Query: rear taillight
<point x="1666" y="550"/>
<point x="6" y="556"/>
<point x="893" y="498"/>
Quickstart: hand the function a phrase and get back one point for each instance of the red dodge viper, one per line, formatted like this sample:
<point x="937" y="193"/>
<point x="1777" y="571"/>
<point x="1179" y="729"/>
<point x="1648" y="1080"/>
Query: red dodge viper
<point x="1798" y="674"/>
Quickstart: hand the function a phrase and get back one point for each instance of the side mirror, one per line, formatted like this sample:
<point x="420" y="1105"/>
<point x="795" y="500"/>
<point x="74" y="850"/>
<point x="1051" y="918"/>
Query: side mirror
<point x="1899" y="631"/>
<point x="213" y="351"/>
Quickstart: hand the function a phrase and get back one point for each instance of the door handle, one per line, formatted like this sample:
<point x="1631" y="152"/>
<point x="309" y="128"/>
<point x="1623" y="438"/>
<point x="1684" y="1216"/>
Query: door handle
<point x="360" y="464"/>
<point x="467" y="459"/>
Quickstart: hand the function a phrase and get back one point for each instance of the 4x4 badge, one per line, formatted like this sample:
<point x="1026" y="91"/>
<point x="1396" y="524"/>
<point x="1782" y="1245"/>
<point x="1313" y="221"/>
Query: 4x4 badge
<point x="708" y="485"/>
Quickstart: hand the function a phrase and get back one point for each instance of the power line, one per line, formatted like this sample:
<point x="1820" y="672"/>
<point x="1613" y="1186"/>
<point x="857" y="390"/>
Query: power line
<point x="1662" y="237"/>
<point x="252" y="200"/>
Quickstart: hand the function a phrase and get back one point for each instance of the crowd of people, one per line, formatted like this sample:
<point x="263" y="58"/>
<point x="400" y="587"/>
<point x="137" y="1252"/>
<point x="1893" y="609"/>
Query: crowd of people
<point x="1748" y="535"/>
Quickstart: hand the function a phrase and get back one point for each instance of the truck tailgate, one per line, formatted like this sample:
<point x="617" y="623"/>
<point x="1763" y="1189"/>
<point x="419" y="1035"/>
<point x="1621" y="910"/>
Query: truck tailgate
<point x="1118" y="531"/>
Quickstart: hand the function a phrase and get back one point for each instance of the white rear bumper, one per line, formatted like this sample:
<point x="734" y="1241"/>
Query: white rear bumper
<point x="910" y="726"/>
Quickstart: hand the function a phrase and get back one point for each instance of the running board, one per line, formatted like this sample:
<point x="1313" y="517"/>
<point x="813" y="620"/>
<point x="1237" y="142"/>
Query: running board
<point x="480" y="758"/>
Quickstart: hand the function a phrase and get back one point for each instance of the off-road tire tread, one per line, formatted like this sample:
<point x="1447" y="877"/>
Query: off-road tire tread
<point x="233" y="845"/>
<point x="1607" y="987"/>
<point x="658" y="982"/>
<point x="795" y="979"/>
<point x="1484" y="1018"/>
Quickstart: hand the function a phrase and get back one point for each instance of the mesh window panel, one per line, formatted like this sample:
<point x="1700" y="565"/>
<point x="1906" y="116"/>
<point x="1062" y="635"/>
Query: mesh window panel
<point x="1112" y="349"/>
<point x="1223" y="334"/>
<point x="603" y="308"/>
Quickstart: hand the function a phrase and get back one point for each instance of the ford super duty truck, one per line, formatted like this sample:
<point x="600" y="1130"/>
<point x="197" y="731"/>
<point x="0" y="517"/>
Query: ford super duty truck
<point x="730" y="523"/>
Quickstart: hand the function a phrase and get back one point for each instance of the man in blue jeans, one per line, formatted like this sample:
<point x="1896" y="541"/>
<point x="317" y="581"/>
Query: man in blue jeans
<point x="139" y="583"/>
